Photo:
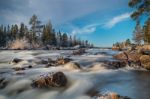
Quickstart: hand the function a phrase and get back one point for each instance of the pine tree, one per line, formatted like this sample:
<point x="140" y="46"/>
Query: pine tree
<point x="35" y="36"/>
<point x="64" y="40"/>
<point x="14" y="31"/>
<point x="47" y="34"/>
<point x="53" y="38"/>
<point x="138" y="34"/>
<point x="70" y="42"/>
<point x="26" y="31"/>
<point x="74" y="41"/>
<point x="8" y="35"/>
<point x="22" y="31"/>
<point x="86" y="43"/>
<point x="142" y="7"/>
<point x="127" y="42"/>
<point x="146" y="30"/>
<point x="1" y="35"/>
<point x="33" y="22"/>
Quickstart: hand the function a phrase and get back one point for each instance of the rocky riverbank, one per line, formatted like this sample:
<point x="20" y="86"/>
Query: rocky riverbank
<point x="137" y="58"/>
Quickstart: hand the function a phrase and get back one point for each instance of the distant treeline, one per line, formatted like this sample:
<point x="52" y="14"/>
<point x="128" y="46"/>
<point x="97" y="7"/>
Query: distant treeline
<point x="40" y="34"/>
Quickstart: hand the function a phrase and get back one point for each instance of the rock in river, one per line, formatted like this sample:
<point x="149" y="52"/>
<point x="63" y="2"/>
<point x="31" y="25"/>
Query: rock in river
<point x="72" y="66"/>
<point x="3" y="83"/>
<point x="112" y="95"/>
<point x="16" y="60"/>
<point x="57" y="79"/>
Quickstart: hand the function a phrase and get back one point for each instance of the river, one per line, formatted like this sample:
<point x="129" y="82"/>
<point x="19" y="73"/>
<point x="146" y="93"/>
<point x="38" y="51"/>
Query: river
<point x="125" y="81"/>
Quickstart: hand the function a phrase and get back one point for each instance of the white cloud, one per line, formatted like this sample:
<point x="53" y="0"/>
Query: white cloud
<point x="111" y="23"/>
<point x="88" y="29"/>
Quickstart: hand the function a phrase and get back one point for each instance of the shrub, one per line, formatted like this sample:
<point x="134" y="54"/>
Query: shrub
<point x="19" y="44"/>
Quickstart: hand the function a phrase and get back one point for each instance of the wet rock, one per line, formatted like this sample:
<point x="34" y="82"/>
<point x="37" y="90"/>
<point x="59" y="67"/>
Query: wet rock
<point x="16" y="60"/>
<point x="79" y="52"/>
<point x="112" y="95"/>
<point x="44" y="62"/>
<point x="20" y="73"/>
<point x="3" y="83"/>
<point x="30" y="66"/>
<point x="115" y="64"/>
<point x="50" y="63"/>
<point x="58" y="61"/>
<point x="18" y="68"/>
<point x="62" y="61"/>
<point x="145" y="61"/>
<point x="57" y="79"/>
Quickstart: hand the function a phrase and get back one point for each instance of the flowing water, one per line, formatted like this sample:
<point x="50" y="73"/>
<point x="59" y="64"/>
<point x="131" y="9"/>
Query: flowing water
<point x="125" y="81"/>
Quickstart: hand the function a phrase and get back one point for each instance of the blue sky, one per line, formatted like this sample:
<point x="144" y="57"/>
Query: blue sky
<point x="102" y="22"/>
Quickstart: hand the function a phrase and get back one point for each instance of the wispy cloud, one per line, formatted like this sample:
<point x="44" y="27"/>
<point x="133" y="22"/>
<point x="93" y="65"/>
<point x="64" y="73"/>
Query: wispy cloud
<point x="111" y="23"/>
<point x="88" y="29"/>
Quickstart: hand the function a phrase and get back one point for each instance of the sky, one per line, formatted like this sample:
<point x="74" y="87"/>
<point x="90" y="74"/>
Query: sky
<point x="102" y="22"/>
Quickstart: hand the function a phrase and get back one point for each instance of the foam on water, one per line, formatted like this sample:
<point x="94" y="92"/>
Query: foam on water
<point x="96" y="76"/>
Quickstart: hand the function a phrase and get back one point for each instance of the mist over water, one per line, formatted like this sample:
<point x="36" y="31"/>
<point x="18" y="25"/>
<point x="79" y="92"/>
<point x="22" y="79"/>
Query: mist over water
<point x="93" y="76"/>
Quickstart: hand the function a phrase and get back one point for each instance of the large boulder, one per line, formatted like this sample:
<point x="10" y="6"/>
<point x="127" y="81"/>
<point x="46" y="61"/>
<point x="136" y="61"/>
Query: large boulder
<point x="145" y="61"/>
<point x="120" y="56"/>
<point x="132" y="56"/>
<point x="57" y="79"/>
